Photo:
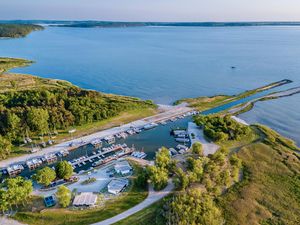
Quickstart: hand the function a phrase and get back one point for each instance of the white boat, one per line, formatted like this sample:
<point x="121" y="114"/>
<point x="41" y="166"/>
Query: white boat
<point x="98" y="163"/>
<point x="150" y="126"/>
<point x="182" y="140"/>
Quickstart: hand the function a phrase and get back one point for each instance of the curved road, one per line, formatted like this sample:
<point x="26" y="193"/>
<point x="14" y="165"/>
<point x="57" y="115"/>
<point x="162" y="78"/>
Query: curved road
<point x="152" y="197"/>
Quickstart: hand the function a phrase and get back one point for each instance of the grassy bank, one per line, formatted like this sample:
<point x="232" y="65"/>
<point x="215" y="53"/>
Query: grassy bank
<point x="149" y="216"/>
<point x="127" y="200"/>
<point x="270" y="190"/>
<point x="10" y="63"/>
<point x="204" y="103"/>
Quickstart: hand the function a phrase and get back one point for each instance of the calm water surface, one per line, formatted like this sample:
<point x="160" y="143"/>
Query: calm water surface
<point x="169" y="63"/>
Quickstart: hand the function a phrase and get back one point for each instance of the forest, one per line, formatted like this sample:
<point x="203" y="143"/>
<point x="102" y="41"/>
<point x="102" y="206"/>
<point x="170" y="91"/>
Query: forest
<point x="18" y="30"/>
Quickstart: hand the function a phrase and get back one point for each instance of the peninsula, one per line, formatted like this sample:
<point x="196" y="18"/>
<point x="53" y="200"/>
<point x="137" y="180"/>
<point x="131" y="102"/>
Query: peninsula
<point x="17" y="30"/>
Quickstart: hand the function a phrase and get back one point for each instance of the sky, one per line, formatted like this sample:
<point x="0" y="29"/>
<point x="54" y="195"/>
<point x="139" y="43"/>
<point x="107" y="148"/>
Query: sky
<point x="152" y="10"/>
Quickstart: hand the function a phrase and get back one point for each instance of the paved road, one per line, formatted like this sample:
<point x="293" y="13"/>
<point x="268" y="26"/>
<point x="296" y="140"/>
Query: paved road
<point x="152" y="197"/>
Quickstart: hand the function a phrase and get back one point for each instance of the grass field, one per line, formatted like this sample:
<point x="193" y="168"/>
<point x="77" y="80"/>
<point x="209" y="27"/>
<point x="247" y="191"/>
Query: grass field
<point x="270" y="190"/>
<point x="149" y="216"/>
<point x="111" y="208"/>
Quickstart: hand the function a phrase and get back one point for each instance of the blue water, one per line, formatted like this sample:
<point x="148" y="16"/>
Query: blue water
<point x="169" y="63"/>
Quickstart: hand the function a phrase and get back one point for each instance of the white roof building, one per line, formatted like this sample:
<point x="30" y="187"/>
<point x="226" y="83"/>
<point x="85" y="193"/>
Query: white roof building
<point x="123" y="167"/>
<point x="117" y="185"/>
<point x="85" y="199"/>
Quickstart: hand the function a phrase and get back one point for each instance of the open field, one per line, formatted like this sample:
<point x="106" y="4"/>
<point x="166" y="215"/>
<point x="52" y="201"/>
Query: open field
<point x="149" y="216"/>
<point x="269" y="192"/>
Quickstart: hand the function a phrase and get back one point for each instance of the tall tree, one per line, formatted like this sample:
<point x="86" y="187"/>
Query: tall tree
<point x="158" y="177"/>
<point x="163" y="158"/>
<point x="64" y="170"/>
<point x="37" y="119"/>
<point x="13" y="125"/>
<point x="63" y="196"/>
<point x="197" y="148"/>
<point x="45" y="176"/>
<point x="5" y="147"/>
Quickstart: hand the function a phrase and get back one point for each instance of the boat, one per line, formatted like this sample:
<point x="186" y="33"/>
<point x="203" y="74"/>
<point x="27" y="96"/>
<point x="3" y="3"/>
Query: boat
<point x="163" y="123"/>
<point x="110" y="139"/>
<point x="138" y="154"/>
<point x="137" y="130"/>
<point x="130" y="132"/>
<point x="182" y="147"/>
<point x="50" y="158"/>
<point x="123" y="135"/>
<point x="150" y="126"/>
<point x="98" y="163"/>
<point x="182" y="140"/>
<point x="97" y="143"/>
<point x="34" y="163"/>
<point x="15" y="169"/>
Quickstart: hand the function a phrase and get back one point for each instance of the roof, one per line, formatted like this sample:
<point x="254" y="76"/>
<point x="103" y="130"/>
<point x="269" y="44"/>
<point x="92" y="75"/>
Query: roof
<point x="117" y="185"/>
<point x="49" y="201"/>
<point x="85" y="199"/>
<point x="122" y="166"/>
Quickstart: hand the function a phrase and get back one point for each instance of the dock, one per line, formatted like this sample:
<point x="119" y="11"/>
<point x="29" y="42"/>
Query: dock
<point x="98" y="156"/>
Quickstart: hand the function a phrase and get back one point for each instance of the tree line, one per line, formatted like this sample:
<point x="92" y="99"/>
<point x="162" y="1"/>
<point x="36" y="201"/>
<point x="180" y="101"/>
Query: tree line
<point x="40" y="112"/>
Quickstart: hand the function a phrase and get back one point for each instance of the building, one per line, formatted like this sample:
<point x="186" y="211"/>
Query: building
<point x="117" y="185"/>
<point x="85" y="199"/>
<point x="123" y="168"/>
<point x="49" y="201"/>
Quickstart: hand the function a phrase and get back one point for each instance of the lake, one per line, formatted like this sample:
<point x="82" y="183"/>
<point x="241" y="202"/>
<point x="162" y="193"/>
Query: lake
<point x="169" y="63"/>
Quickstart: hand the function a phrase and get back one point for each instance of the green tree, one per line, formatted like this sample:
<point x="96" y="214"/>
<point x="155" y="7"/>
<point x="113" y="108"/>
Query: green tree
<point x="4" y="204"/>
<point x="45" y="176"/>
<point x="181" y="179"/>
<point x="158" y="177"/>
<point x="63" y="196"/>
<point x="193" y="207"/>
<point x="37" y="120"/>
<point x="163" y="158"/>
<point x="142" y="177"/>
<point x="64" y="170"/>
<point x="13" y="125"/>
<point x="197" y="149"/>
<point x="5" y="147"/>
<point x="18" y="190"/>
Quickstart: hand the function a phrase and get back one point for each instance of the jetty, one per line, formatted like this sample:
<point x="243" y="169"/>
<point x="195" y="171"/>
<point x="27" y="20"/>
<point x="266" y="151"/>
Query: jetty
<point x="100" y="155"/>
